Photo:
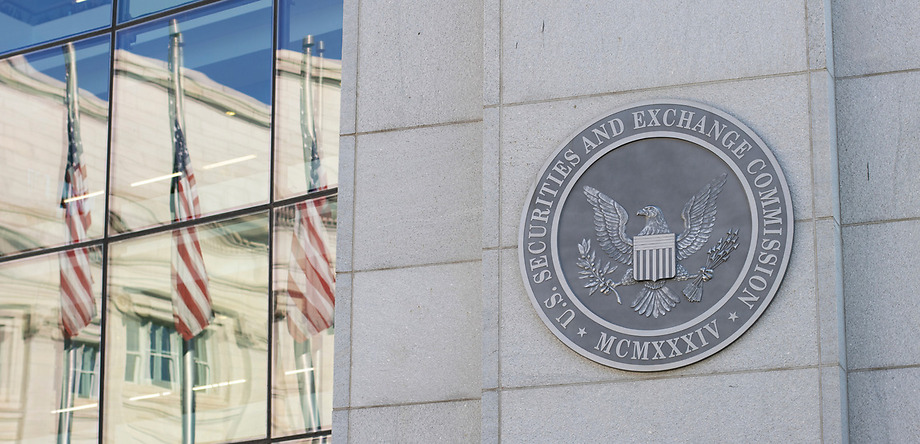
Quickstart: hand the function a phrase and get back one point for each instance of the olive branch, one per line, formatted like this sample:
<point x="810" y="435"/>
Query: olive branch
<point x="594" y="273"/>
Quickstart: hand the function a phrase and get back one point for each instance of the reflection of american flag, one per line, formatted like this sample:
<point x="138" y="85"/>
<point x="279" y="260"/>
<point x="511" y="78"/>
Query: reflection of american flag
<point x="311" y="282"/>
<point x="77" y="304"/>
<point x="191" y="301"/>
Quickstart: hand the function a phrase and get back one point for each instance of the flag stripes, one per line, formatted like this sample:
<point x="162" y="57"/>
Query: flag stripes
<point x="654" y="257"/>
<point x="190" y="297"/>
<point x="78" y="306"/>
<point x="311" y="282"/>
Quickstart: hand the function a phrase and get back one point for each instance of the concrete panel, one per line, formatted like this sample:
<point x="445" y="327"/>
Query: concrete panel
<point x="349" y="67"/>
<point x="884" y="407"/>
<point x="420" y="63"/>
<point x="490" y="409"/>
<point x="340" y="426"/>
<point x="554" y="49"/>
<point x="873" y="37"/>
<point x="775" y="108"/>
<point x="490" y="177"/>
<point x="490" y="315"/>
<point x="776" y="406"/>
<point x="416" y="335"/>
<point x="345" y="217"/>
<point x="443" y="422"/>
<point x="342" y="365"/>
<point x="878" y="135"/>
<point x="834" y="405"/>
<point x="829" y="265"/>
<point x="491" y="52"/>
<point x="530" y="354"/>
<point x="820" y="43"/>
<point x="824" y="146"/>
<point x="785" y="336"/>
<point x="880" y="296"/>
<point x="437" y="217"/>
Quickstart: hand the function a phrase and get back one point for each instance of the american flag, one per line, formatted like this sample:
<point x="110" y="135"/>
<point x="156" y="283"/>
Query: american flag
<point x="311" y="282"/>
<point x="77" y="303"/>
<point x="190" y="297"/>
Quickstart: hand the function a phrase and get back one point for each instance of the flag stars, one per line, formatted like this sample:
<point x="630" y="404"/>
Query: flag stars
<point x="732" y="316"/>
<point x="581" y="332"/>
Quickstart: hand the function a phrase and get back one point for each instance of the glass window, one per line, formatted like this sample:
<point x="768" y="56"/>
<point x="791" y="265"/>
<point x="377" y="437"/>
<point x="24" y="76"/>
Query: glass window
<point x="162" y="361"/>
<point x="304" y="311"/>
<point x="25" y="23"/>
<point x="54" y="134"/>
<point x="215" y="323"/>
<point x="50" y="334"/>
<point x="192" y="109"/>
<point x="204" y="95"/>
<point x="132" y="9"/>
<point x="86" y="371"/>
<point x="308" y="91"/>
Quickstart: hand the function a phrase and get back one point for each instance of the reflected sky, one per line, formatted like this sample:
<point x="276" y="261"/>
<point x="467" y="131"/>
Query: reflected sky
<point x="230" y="42"/>
<point x="29" y="22"/>
<point x="93" y="56"/>
<point x="321" y="18"/>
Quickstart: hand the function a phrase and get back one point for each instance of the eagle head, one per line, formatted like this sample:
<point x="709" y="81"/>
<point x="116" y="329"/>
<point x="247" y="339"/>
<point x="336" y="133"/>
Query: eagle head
<point x="654" y="221"/>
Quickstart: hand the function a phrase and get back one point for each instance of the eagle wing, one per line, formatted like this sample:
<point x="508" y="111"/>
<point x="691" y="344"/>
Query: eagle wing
<point x="610" y="225"/>
<point x="699" y="217"/>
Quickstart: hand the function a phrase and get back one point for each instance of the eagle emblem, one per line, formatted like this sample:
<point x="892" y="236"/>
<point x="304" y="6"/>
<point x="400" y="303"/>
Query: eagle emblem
<point x="654" y="254"/>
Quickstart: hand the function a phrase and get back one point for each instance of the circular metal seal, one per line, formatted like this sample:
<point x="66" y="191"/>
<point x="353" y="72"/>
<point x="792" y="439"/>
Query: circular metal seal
<point x="656" y="236"/>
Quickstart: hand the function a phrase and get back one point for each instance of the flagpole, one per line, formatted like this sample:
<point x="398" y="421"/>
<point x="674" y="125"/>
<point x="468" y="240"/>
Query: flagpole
<point x="305" y="384"/>
<point x="187" y="373"/>
<point x="302" y="350"/>
<point x="321" y="49"/>
<point x="75" y="148"/>
<point x="65" y="416"/>
<point x="307" y="117"/>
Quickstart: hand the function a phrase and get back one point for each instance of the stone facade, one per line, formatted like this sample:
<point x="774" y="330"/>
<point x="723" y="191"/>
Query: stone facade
<point x="450" y="108"/>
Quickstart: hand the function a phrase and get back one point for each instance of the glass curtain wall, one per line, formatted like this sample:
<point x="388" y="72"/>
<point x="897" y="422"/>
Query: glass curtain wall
<point x="167" y="234"/>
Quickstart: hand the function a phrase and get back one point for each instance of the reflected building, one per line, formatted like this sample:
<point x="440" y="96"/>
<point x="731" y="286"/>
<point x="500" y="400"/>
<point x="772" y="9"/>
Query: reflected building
<point x="247" y="361"/>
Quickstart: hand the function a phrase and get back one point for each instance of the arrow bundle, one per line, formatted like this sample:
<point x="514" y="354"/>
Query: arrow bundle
<point x="717" y="256"/>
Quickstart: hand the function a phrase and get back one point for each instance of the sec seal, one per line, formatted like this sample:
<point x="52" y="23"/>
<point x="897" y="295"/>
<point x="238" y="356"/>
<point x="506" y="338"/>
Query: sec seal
<point x="656" y="236"/>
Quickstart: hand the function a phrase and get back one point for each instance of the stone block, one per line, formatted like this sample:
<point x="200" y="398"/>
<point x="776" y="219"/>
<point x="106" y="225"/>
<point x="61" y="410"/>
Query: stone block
<point x="434" y="220"/>
<point x="877" y="137"/>
<point x="349" y="67"/>
<point x="820" y="43"/>
<point x="829" y="273"/>
<point x="442" y="422"/>
<point x="834" y="405"/>
<point x="491" y="51"/>
<point x="874" y="37"/>
<point x="491" y="305"/>
<point x="883" y="405"/>
<point x="880" y="294"/>
<point x="772" y="406"/>
<point x="416" y="335"/>
<point x="345" y="219"/>
<point x="824" y="146"/>
<point x="551" y="49"/>
<point x="490" y="416"/>
<point x="490" y="177"/>
<point x="340" y="427"/>
<point x="342" y="361"/>
<point x="420" y="63"/>
<point x="774" y="108"/>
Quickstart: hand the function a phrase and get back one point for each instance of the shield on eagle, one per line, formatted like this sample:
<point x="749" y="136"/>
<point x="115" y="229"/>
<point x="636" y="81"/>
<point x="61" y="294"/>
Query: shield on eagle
<point x="654" y="257"/>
